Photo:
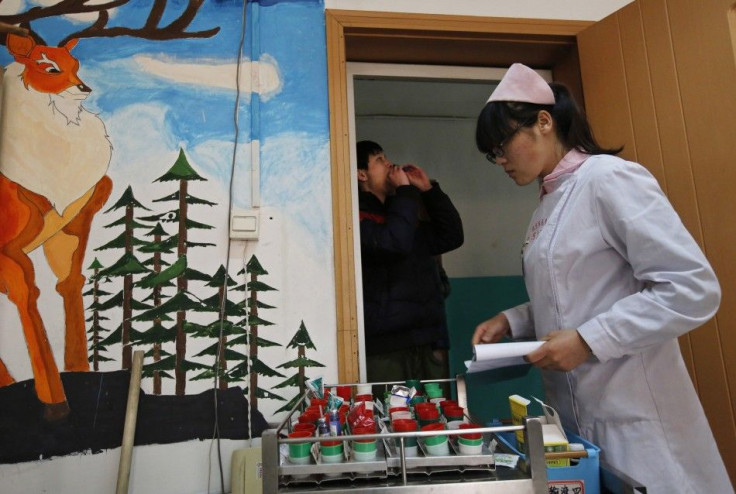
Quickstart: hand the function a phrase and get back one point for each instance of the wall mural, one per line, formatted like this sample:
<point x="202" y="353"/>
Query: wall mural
<point x="123" y="130"/>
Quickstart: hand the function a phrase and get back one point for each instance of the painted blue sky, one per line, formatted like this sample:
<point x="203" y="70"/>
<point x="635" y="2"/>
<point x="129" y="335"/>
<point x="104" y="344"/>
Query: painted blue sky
<point x="158" y="96"/>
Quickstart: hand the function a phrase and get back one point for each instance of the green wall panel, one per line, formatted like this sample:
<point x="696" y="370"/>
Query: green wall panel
<point x="472" y="301"/>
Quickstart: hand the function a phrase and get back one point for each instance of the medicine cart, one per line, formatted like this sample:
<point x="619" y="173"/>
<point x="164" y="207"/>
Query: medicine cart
<point x="393" y="471"/>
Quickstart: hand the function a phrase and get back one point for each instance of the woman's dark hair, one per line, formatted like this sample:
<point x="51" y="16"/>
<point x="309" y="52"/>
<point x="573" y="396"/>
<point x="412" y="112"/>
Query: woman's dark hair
<point x="499" y="119"/>
<point x="364" y="151"/>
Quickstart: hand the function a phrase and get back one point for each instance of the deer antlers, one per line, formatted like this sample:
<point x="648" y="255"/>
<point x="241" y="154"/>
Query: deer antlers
<point x="176" y="29"/>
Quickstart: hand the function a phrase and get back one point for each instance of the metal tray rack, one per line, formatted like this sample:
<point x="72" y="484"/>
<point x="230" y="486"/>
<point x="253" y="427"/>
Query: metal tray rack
<point x="393" y="471"/>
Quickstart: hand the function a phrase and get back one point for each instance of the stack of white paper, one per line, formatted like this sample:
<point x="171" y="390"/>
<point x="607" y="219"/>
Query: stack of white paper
<point x="494" y="355"/>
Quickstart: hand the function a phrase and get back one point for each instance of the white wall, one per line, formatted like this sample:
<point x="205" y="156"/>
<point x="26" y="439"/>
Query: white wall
<point x="182" y="468"/>
<point x="582" y="10"/>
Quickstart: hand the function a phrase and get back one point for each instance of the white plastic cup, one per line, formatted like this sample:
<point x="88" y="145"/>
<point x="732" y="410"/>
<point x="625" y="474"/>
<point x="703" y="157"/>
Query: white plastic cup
<point x="442" y="449"/>
<point x="364" y="455"/>
<point x="411" y="451"/>
<point x="332" y="458"/>
<point x="454" y="424"/>
<point x="303" y="460"/>
<point x="470" y="450"/>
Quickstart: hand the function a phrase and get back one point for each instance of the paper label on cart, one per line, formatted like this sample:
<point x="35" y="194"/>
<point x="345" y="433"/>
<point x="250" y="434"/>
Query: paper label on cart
<point x="505" y="460"/>
<point x="552" y="416"/>
<point x="566" y="486"/>
<point x="492" y="445"/>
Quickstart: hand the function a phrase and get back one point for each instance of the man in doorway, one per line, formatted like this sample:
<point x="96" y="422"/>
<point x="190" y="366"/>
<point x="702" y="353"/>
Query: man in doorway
<point x="406" y="223"/>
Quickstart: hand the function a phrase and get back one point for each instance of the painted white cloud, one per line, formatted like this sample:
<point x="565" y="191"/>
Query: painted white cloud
<point x="139" y="135"/>
<point x="294" y="168"/>
<point x="260" y="77"/>
<point x="144" y="147"/>
<point x="10" y="7"/>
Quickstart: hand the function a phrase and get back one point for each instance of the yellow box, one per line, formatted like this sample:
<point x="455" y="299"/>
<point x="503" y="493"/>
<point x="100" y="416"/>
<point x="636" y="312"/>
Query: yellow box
<point x="519" y="409"/>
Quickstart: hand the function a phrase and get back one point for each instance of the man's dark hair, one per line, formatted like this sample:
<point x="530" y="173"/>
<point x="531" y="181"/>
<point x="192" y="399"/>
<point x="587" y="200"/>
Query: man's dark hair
<point x="364" y="150"/>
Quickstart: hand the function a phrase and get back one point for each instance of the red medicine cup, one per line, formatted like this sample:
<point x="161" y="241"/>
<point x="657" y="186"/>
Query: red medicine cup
<point x="454" y="412"/>
<point x="424" y="406"/>
<point x="345" y="392"/>
<point x="364" y="429"/>
<point x="445" y="403"/>
<point x="428" y="413"/>
<point x="406" y="425"/>
<point x="471" y="435"/>
<point x="305" y="426"/>
<point x="318" y="402"/>
<point x="309" y="417"/>
<point x="365" y="397"/>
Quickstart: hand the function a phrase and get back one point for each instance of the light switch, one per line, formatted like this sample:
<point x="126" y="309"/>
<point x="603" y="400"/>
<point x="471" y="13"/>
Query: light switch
<point x="244" y="224"/>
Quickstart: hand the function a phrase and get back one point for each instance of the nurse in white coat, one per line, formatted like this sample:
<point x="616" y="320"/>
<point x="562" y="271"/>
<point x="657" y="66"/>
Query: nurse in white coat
<point x="613" y="279"/>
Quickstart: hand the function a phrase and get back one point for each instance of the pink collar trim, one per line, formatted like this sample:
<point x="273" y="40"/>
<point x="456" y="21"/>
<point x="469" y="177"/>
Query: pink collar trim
<point x="568" y="164"/>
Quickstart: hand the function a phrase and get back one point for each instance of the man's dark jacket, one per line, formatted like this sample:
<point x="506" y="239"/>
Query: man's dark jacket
<point x="403" y="302"/>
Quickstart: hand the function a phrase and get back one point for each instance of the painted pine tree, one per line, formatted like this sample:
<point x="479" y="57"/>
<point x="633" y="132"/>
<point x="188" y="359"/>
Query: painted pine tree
<point x="159" y="361"/>
<point x="253" y="367"/>
<point x="96" y="331"/>
<point x="126" y="267"/>
<point x="301" y="341"/>
<point x="181" y="172"/>
<point x="181" y="301"/>
<point x="219" y="329"/>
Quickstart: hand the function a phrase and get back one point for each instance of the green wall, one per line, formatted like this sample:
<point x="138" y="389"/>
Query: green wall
<point x="472" y="301"/>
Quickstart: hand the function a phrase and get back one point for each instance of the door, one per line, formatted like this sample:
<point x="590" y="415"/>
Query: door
<point x="659" y="77"/>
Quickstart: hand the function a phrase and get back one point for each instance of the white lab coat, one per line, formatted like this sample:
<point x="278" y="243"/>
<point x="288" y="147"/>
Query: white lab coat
<point x="606" y="254"/>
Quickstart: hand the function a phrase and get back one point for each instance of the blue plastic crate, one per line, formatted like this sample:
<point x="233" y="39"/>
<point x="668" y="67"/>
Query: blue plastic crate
<point x="583" y="478"/>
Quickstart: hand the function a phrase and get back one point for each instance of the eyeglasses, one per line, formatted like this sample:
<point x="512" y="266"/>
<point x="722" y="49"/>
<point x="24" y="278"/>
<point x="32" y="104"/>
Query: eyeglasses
<point x="498" y="151"/>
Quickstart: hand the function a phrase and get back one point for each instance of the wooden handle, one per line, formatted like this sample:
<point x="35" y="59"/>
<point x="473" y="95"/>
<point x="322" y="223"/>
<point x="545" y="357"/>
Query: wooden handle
<point x="565" y="454"/>
<point x="131" y="414"/>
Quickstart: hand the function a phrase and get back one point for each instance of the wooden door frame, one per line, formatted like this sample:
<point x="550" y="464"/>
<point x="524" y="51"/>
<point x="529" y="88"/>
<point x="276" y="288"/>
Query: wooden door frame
<point x="417" y="38"/>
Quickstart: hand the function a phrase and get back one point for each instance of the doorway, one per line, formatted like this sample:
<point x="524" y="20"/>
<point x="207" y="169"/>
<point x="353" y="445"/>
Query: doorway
<point x="426" y="115"/>
<point x="429" y="40"/>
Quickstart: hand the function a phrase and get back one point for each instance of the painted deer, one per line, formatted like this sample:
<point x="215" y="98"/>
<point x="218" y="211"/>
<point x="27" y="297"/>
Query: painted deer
<point x="53" y="158"/>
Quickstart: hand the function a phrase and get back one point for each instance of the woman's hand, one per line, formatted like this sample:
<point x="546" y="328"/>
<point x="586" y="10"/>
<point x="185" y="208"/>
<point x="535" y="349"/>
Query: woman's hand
<point x="564" y="350"/>
<point x="492" y="330"/>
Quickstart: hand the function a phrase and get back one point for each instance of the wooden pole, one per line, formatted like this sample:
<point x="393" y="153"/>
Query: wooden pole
<point x="131" y="412"/>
